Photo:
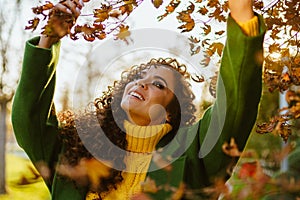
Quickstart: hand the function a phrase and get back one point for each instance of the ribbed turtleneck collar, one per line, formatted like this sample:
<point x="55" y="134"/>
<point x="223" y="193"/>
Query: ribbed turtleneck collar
<point x="143" y="139"/>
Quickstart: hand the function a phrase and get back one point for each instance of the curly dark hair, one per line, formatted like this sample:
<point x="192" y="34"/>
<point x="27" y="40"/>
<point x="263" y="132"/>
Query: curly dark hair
<point x="107" y="113"/>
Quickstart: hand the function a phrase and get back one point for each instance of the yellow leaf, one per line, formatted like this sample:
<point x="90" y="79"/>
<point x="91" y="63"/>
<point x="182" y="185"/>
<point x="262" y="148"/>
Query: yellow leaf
<point x="149" y="185"/>
<point x="178" y="194"/>
<point x="124" y="33"/>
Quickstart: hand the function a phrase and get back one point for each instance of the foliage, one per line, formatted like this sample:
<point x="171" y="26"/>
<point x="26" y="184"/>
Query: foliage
<point x="198" y="17"/>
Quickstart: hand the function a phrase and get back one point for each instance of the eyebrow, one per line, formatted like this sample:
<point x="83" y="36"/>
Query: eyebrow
<point x="161" y="78"/>
<point x="143" y="72"/>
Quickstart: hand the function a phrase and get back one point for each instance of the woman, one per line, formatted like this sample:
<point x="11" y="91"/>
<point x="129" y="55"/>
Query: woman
<point x="140" y="115"/>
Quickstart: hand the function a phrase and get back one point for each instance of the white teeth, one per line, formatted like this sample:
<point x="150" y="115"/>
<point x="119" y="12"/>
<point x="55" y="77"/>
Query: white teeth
<point x="137" y="95"/>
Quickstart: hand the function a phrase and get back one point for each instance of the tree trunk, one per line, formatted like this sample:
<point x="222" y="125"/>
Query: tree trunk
<point x="2" y="146"/>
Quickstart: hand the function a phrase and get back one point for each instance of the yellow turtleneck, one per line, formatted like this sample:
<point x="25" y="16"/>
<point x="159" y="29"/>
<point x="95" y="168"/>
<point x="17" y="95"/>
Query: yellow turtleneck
<point x="141" y="143"/>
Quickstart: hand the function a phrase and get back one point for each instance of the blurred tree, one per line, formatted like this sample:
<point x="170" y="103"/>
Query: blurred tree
<point x="8" y="57"/>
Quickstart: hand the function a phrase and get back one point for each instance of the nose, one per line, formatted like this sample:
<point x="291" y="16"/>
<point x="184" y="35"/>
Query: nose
<point x="141" y="83"/>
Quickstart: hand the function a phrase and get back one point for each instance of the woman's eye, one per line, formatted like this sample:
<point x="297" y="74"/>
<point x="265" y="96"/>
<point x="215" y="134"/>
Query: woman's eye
<point x="158" y="84"/>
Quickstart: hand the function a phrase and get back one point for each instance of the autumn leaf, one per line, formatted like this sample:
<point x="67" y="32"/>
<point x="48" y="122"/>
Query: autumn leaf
<point x="115" y="13"/>
<point x="274" y="48"/>
<point x="205" y="61"/>
<point x="33" y="24"/>
<point x="185" y="17"/>
<point x="231" y="149"/>
<point x="102" y="14"/>
<point x="213" y="85"/>
<point x="123" y="33"/>
<point x="170" y="8"/>
<point x="86" y="171"/>
<point x="128" y="6"/>
<point x="205" y="42"/>
<point x="203" y="10"/>
<point x="194" y="49"/>
<point x="217" y="47"/>
<point x="219" y="32"/>
<point x="197" y="78"/>
<point x="207" y="29"/>
<point x="247" y="170"/>
<point x="157" y="3"/>
<point x="96" y="170"/>
<point x="213" y="3"/>
<point x="149" y="185"/>
<point x="40" y="9"/>
<point x="194" y="39"/>
<point x="179" y="192"/>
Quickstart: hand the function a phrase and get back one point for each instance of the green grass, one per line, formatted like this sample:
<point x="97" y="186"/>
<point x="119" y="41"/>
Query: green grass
<point x="18" y="171"/>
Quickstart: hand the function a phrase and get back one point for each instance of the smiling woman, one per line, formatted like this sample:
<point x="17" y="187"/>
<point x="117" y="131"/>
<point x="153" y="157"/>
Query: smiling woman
<point x="141" y="136"/>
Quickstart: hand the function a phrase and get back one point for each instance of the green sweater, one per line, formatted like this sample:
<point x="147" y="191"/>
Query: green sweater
<point x="196" y="150"/>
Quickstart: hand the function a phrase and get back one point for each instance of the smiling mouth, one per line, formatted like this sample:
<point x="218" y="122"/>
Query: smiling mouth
<point x="137" y="95"/>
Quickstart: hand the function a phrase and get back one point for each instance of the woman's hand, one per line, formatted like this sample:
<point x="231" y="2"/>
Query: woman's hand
<point x="61" y="19"/>
<point x="241" y="10"/>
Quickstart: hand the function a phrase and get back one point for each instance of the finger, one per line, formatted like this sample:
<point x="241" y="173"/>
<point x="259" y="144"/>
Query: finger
<point x="63" y="8"/>
<point x="79" y="3"/>
<point x="73" y="6"/>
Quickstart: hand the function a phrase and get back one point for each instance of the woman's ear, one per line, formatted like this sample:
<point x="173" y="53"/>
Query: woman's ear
<point x="168" y="117"/>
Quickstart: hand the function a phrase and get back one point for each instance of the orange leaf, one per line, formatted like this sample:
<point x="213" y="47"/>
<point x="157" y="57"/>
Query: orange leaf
<point x="169" y="9"/>
<point x="33" y="24"/>
<point x="207" y="29"/>
<point x="102" y="14"/>
<point x="187" y="27"/>
<point x="203" y="11"/>
<point x="274" y="48"/>
<point x="217" y="47"/>
<point x="127" y="7"/>
<point x="247" y="170"/>
<point x="219" y="32"/>
<point x="231" y="149"/>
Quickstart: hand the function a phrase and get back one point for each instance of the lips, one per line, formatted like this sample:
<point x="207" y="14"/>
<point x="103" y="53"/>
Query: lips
<point x="137" y="95"/>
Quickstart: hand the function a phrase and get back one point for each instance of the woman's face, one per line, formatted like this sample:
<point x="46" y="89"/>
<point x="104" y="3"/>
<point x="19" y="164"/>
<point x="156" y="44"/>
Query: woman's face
<point x="146" y="98"/>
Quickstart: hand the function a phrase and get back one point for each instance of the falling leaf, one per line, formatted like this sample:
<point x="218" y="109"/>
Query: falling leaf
<point x="102" y="14"/>
<point x="179" y="192"/>
<point x="170" y="8"/>
<point x="149" y="185"/>
<point x="197" y="78"/>
<point x="213" y="85"/>
<point x="33" y="24"/>
<point x="194" y="39"/>
<point x="220" y="32"/>
<point x="157" y="3"/>
<point x="217" y="47"/>
<point x="123" y="33"/>
<point x="203" y="10"/>
<point x="207" y="29"/>
<point x="128" y="6"/>
<point x="86" y="171"/>
<point x="247" y="170"/>
<point x="231" y="149"/>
